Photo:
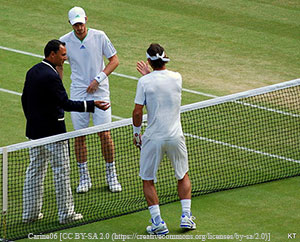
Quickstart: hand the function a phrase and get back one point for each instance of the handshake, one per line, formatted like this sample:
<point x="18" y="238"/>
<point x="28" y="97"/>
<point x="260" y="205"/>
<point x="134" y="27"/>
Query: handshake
<point x="102" y="105"/>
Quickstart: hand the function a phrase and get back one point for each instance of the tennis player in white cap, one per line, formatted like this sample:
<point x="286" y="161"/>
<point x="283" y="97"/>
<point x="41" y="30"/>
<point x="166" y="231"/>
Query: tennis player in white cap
<point x="160" y="92"/>
<point x="86" y="48"/>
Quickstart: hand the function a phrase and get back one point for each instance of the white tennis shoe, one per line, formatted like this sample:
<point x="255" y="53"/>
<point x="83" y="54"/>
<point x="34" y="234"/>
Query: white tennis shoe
<point x="84" y="184"/>
<point x="187" y="222"/>
<point x="112" y="180"/>
<point x="113" y="184"/>
<point x="73" y="218"/>
<point x="160" y="229"/>
<point x="30" y="220"/>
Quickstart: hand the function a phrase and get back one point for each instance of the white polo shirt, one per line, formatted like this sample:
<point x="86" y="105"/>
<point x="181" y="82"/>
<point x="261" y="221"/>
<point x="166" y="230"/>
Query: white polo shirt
<point x="160" y="91"/>
<point x="86" y="60"/>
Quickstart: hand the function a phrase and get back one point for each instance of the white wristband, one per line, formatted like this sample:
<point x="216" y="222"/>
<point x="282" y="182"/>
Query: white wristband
<point x="136" y="130"/>
<point x="100" y="77"/>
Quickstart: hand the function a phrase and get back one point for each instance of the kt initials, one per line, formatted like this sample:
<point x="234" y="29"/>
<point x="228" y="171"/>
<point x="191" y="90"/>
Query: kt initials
<point x="292" y="235"/>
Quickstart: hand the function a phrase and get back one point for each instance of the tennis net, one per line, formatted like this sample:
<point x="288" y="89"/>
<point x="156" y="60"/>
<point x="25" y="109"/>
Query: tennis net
<point x="233" y="141"/>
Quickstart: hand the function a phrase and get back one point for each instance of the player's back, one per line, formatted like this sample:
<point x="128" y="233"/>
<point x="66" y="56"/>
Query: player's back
<point x="163" y="99"/>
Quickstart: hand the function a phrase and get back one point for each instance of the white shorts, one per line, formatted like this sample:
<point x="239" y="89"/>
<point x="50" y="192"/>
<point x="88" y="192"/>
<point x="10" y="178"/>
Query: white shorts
<point x="153" y="151"/>
<point x="82" y="120"/>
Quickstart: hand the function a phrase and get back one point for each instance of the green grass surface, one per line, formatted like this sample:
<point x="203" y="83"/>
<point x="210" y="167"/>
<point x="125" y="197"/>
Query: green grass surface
<point x="219" y="47"/>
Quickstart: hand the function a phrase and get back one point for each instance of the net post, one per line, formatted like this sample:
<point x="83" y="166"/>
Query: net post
<point x="4" y="191"/>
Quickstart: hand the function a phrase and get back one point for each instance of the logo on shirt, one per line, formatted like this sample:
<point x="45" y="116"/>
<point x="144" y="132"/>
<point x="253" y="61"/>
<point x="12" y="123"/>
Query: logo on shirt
<point x="82" y="47"/>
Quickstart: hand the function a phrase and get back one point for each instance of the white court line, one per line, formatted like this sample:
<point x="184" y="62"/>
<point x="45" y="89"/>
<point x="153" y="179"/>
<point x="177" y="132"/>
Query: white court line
<point x="21" y="52"/>
<point x="268" y="109"/>
<point x="11" y="92"/>
<point x="199" y="93"/>
<point x="117" y="117"/>
<point x="241" y="148"/>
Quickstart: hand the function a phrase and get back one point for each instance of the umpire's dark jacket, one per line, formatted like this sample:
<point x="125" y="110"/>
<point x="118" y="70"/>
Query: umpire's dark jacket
<point x="44" y="100"/>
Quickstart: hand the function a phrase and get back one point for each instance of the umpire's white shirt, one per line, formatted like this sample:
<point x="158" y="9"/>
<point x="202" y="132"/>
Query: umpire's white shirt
<point x="86" y="60"/>
<point x="160" y="91"/>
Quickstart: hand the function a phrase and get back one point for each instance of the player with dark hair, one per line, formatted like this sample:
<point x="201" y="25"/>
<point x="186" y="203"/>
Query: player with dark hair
<point x="44" y="101"/>
<point x="160" y="92"/>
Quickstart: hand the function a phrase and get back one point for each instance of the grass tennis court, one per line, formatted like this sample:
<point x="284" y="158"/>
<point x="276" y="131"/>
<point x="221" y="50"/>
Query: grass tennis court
<point x="219" y="47"/>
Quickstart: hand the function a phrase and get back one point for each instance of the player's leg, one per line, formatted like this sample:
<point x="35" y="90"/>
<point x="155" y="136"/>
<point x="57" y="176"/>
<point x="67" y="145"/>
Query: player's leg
<point x="108" y="149"/>
<point x="184" y="193"/>
<point x="81" y="157"/>
<point x="158" y="226"/>
<point x="107" y="146"/>
<point x="150" y="193"/>
<point x="184" y="188"/>
<point x="80" y="149"/>
<point x="177" y="153"/>
<point x="34" y="185"/>
<point x="151" y="155"/>
<point x="80" y="121"/>
<point x="60" y="163"/>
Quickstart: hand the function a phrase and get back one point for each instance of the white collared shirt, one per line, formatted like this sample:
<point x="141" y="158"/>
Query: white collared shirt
<point x="86" y="59"/>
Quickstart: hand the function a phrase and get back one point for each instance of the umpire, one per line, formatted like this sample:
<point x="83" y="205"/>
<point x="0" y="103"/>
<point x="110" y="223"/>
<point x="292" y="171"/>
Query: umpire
<point x="44" y="101"/>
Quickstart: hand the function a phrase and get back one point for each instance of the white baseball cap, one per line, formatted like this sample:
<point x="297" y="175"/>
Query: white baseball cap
<point x="77" y="15"/>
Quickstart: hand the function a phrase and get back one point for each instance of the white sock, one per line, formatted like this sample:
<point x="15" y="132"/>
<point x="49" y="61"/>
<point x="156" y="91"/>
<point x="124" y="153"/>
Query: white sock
<point x="111" y="168"/>
<point x="155" y="214"/>
<point x="186" y="207"/>
<point x="110" y="164"/>
<point x="83" y="169"/>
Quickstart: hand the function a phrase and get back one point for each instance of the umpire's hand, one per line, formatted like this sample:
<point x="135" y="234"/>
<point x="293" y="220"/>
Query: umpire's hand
<point x="102" y="105"/>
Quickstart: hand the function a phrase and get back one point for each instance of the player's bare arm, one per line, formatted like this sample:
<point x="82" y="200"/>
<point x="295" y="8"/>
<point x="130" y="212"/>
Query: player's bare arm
<point x="137" y="117"/>
<point x="143" y="68"/>
<point x="111" y="66"/>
